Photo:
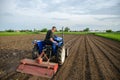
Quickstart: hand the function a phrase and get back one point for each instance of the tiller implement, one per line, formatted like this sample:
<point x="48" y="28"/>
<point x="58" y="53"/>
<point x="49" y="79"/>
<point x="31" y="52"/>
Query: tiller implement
<point x="38" y="67"/>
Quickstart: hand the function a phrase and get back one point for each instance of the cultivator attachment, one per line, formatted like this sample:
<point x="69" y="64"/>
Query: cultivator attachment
<point x="37" y="67"/>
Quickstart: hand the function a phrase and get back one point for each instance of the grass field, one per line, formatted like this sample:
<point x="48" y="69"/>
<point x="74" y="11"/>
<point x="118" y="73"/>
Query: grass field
<point x="114" y="36"/>
<point x="27" y="33"/>
<point x="16" y="33"/>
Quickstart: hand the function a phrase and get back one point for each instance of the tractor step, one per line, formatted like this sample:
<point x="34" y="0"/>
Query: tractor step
<point x="44" y="69"/>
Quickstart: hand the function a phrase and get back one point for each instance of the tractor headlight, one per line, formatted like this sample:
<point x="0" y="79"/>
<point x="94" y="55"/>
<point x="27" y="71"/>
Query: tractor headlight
<point x="34" y="42"/>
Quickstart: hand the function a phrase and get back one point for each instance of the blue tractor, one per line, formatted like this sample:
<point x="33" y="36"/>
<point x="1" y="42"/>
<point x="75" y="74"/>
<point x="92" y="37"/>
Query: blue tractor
<point x="58" y="52"/>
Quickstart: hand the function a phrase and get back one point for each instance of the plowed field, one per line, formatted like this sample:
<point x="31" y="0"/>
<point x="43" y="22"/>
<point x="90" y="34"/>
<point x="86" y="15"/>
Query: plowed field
<point x="90" y="58"/>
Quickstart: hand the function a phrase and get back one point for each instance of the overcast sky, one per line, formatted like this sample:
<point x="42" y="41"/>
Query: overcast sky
<point x="76" y="14"/>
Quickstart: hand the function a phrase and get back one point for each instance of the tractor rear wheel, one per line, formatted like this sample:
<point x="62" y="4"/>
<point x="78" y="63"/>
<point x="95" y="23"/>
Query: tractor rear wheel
<point x="61" y="55"/>
<point x="35" y="52"/>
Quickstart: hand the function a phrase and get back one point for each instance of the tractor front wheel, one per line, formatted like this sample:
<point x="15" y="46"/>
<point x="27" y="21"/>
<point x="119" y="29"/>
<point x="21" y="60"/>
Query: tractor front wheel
<point x="61" y="55"/>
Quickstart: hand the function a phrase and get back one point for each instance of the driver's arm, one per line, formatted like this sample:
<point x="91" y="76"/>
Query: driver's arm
<point x="51" y="39"/>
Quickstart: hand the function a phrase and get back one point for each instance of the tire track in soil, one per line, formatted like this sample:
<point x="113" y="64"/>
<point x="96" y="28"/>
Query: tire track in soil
<point x="104" y="61"/>
<point x="88" y="69"/>
<point x="76" y="70"/>
<point x="96" y="73"/>
<point x="80" y="69"/>
<point x="98" y="60"/>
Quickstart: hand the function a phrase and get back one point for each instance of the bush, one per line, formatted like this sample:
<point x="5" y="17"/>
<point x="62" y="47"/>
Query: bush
<point x="109" y="31"/>
<point x="25" y="30"/>
<point x="118" y="31"/>
<point x="10" y="30"/>
<point x="44" y="30"/>
<point x="67" y="29"/>
<point x="86" y="30"/>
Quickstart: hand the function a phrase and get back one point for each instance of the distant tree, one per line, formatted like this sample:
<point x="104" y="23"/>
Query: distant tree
<point x="26" y="30"/>
<point x="44" y="30"/>
<point x="118" y="31"/>
<point x="10" y="30"/>
<point x="109" y="31"/>
<point x="67" y="29"/>
<point x="86" y="30"/>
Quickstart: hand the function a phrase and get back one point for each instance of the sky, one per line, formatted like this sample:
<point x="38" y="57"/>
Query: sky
<point x="75" y="14"/>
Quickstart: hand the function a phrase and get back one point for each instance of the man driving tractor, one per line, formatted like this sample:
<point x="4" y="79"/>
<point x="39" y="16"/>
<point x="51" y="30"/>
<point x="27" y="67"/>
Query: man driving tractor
<point x="49" y="36"/>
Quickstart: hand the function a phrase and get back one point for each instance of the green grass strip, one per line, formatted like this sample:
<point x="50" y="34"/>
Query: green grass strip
<point x="15" y="33"/>
<point x="114" y="36"/>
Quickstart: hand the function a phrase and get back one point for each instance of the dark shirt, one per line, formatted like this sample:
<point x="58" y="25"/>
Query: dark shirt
<point x="49" y="35"/>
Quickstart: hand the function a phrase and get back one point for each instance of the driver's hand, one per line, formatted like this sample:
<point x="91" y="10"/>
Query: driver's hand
<point x="55" y="42"/>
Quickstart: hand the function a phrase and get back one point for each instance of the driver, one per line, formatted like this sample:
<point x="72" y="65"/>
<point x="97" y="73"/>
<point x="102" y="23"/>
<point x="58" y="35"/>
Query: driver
<point x="49" y="39"/>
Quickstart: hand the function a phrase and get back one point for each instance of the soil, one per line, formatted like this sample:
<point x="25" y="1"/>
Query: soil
<point x="90" y="58"/>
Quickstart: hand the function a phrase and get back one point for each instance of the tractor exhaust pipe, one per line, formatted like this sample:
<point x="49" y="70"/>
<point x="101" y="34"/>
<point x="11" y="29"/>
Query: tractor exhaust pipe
<point x="63" y="34"/>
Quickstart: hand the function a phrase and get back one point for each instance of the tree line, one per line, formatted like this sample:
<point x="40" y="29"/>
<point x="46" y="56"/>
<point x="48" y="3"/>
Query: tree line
<point x="66" y="29"/>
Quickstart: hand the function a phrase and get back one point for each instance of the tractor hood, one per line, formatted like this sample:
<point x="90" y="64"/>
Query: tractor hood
<point x="58" y="39"/>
